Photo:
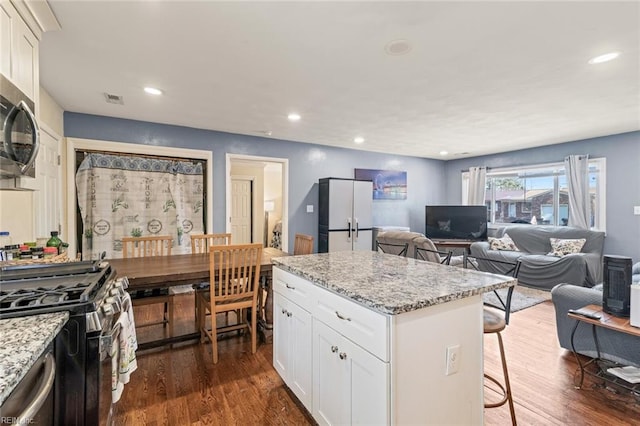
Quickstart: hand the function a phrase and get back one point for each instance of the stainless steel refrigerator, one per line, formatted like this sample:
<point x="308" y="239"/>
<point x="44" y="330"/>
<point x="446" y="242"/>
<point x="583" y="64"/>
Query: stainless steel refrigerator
<point x="345" y="214"/>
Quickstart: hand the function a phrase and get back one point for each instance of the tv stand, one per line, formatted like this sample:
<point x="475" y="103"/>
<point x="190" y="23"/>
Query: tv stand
<point x="464" y="244"/>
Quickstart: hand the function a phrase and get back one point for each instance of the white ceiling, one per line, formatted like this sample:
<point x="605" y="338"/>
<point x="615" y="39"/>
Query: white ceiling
<point x="480" y="77"/>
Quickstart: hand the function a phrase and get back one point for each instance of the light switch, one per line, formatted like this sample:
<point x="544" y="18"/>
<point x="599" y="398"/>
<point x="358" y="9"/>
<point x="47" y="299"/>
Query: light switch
<point x="636" y="210"/>
<point x="309" y="208"/>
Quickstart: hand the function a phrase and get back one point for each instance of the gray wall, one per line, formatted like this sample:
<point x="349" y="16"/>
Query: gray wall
<point x="307" y="164"/>
<point x="623" y="181"/>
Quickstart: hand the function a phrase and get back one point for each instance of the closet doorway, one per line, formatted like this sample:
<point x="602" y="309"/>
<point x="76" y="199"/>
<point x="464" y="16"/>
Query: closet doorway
<point x="269" y="198"/>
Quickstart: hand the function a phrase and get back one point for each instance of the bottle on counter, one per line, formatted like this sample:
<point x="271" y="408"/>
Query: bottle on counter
<point x="5" y="238"/>
<point x="54" y="241"/>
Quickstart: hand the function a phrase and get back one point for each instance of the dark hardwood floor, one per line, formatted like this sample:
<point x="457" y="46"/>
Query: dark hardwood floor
<point x="181" y="386"/>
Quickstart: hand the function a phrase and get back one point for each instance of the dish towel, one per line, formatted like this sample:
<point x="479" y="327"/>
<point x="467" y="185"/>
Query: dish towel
<point x="123" y="350"/>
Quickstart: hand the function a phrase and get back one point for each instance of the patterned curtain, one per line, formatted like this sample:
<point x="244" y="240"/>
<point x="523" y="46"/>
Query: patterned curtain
<point x="122" y="196"/>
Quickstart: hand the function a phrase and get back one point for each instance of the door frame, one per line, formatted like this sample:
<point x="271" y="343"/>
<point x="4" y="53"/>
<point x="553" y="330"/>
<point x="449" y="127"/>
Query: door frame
<point x="285" y="190"/>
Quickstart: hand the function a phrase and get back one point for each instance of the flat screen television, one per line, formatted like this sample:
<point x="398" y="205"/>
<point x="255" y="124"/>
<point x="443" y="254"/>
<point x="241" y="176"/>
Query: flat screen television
<point x="456" y="223"/>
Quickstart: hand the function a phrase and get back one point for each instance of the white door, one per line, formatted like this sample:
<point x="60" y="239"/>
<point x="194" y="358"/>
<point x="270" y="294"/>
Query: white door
<point x="300" y="370"/>
<point x="363" y="240"/>
<point x="241" y="211"/>
<point x="369" y="386"/>
<point x="341" y="241"/>
<point x="363" y="204"/>
<point x="331" y="387"/>
<point x="47" y="202"/>
<point x="340" y="204"/>
<point x="281" y="336"/>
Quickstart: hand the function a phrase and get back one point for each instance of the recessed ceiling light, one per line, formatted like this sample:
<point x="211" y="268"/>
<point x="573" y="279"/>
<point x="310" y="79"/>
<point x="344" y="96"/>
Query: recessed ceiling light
<point x="294" y="117"/>
<point x="444" y="152"/>
<point x="358" y="139"/>
<point x="604" y="58"/>
<point x="153" y="91"/>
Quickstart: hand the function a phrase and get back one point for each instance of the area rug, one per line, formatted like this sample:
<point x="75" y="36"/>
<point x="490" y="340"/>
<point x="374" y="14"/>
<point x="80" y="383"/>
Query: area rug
<point x="523" y="297"/>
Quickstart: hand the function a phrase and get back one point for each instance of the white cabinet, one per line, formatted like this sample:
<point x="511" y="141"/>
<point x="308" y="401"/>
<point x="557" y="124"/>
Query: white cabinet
<point x="19" y="54"/>
<point x="350" y="385"/>
<point x="345" y="215"/>
<point x="292" y="339"/>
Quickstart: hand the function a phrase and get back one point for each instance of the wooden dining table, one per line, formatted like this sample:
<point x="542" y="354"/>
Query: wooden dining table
<point x="161" y="272"/>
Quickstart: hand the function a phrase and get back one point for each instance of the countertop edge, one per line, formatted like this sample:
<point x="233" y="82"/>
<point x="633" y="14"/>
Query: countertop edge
<point x="21" y="349"/>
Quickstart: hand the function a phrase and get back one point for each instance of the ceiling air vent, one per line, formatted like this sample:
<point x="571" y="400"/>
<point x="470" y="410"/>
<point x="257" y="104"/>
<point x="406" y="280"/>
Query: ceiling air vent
<point x="114" y="99"/>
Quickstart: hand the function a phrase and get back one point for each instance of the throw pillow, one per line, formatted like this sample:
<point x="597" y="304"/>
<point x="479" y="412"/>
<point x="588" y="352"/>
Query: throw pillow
<point x="504" y="243"/>
<point x="560" y="247"/>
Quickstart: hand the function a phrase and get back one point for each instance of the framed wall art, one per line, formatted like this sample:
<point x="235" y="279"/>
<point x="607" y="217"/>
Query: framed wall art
<point x="387" y="184"/>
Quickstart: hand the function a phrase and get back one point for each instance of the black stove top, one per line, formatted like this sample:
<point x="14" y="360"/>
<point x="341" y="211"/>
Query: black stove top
<point x="74" y="287"/>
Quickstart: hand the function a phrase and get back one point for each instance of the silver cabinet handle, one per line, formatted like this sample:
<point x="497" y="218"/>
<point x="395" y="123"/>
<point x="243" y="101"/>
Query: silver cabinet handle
<point x="343" y="355"/>
<point x="341" y="317"/>
<point x="41" y="396"/>
<point x="284" y="311"/>
<point x="289" y="314"/>
<point x="334" y="349"/>
<point x="290" y="287"/>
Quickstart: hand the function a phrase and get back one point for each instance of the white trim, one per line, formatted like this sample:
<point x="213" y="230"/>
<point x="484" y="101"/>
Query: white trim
<point x="285" y="190"/>
<point x="75" y="144"/>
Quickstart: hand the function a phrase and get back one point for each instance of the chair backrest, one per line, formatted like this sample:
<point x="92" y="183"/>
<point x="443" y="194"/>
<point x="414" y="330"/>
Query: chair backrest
<point x="302" y="244"/>
<point x="235" y="270"/>
<point x="200" y="243"/>
<point x="426" y="250"/>
<point x="146" y="246"/>
<point x="389" y="248"/>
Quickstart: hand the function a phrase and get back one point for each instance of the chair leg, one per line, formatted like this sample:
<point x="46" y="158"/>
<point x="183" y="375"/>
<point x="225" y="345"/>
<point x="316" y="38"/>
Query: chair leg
<point x="170" y="307"/>
<point x="506" y="387"/>
<point x="254" y="329"/>
<point x="165" y="317"/>
<point x="214" y="336"/>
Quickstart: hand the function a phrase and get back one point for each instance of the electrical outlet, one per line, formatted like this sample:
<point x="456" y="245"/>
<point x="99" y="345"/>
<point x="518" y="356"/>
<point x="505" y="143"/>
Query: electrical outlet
<point x="453" y="359"/>
<point x="309" y="208"/>
<point x="636" y="210"/>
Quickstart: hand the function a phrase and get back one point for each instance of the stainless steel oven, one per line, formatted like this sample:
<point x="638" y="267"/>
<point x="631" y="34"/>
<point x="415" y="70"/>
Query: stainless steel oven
<point x="94" y="298"/>
<point x="19" y="133"/>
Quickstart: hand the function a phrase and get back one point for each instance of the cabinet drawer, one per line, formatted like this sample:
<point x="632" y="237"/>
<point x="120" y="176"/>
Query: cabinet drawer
<point x="361" y="325"/>
<point x="294" y="288"/>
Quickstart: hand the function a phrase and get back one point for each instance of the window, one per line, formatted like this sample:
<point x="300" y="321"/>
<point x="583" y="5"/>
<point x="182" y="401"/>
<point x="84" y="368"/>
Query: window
<point x="538" y="194"/>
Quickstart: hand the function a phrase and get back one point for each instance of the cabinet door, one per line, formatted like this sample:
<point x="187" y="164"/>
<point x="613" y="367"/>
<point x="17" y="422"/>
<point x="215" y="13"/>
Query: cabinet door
<point x="292" y="347"/>
<point x="7" y="12"/>
<point x="340" y="241"/>
<point x="281" y="336"/>
<point x="331" y="388"/>
<point x="300" y="355"/>
<point x="369" y="378"/>
<point x="24" y="59"/>
<point x="340" y="204"/>
<point x="363" y="203"/>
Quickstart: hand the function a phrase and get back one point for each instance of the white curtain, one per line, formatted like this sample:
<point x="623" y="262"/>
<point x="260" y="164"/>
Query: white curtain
<point x="577" y="171"/>
<point x="477" y="185"/>
<point x="122" y="196"/>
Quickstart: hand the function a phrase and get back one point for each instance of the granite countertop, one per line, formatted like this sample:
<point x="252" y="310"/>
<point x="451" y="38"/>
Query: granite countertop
<point x="391" y="284"/>
<point x="24" y="340"/>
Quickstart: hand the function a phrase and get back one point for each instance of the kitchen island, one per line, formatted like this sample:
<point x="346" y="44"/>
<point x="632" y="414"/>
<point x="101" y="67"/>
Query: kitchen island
<point x="22" y="341"/>
<point x="371" y="338"/>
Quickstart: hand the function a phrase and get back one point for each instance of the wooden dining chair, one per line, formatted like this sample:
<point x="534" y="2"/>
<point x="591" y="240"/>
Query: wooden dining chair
<point x="234" y="272"/>
<point x="147" y="247"/>
<point x="302" y="244"/>
<point x="200" y="243"/>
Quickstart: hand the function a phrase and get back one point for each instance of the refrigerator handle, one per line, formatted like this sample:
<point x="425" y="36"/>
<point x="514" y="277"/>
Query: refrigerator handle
<point x="349" y="229"/>
<point x="357" y="229"/>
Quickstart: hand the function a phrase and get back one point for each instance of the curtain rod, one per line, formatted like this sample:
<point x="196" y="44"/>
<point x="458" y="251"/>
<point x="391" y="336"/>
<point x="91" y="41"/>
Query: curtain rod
<point x="466" y="170"/>
<point x="128" y="154"/>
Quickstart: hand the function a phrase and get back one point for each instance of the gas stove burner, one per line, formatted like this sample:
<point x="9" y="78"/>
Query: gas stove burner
<point x="75" y="292"/>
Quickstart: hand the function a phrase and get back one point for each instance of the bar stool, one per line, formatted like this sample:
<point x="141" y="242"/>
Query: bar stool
<point x="494" y="322"/>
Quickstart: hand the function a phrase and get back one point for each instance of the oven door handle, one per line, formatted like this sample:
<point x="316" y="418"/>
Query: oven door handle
<point x="41" y="396"/>
<point x="35" y="136"/>
<point x="106" y="341"/>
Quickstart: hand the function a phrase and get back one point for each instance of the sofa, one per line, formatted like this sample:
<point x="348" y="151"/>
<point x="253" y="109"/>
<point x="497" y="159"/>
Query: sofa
<point x="614" y="346"/>
<point x="413" y="240"/>
<point x="538" y="268"/>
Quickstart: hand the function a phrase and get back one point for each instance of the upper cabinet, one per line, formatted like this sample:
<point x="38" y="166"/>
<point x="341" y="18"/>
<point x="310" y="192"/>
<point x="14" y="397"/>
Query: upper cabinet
<point x="21" y="26"/>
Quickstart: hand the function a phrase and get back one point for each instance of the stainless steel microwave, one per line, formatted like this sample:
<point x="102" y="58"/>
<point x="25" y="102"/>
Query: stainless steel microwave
<point x="19" y="135"/>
